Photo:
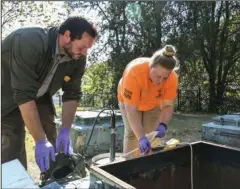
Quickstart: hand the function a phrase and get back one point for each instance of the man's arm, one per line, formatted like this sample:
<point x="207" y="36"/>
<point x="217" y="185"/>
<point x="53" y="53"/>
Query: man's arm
<point x="134" y="120"/>
<point x="31" y="119"/>
<point x="68" y="113"/>
<point x="70" y="98"/>
<point x="27" y="47"/>
<point x="72" y="93"/>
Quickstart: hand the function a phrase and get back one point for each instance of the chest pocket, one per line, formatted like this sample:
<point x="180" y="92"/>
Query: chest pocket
<point x="63" y="70"/>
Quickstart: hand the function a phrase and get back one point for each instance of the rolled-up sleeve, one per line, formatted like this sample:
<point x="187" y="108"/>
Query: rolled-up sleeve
<point x="27" y="50"/>
<point x="72" y="88"/>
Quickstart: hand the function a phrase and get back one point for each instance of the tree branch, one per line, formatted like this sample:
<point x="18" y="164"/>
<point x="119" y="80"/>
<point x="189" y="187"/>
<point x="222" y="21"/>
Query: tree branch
<point x="124" y="26"/>
<point x="97" y="3"/>
<point x="223" y="40"/>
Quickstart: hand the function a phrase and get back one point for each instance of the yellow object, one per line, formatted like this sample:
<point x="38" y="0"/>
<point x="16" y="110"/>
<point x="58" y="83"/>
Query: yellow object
<point x="171" y="144"/>
<point x="67" y="78"/>
<point x="156" y="142"/>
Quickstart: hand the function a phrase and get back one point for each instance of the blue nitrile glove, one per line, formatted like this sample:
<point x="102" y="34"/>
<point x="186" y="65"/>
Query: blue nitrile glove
<point x="144" y="145"/>
<point x="43" y="151"/>
<point x="161" y="128"/>
<point x="63" y="139"/>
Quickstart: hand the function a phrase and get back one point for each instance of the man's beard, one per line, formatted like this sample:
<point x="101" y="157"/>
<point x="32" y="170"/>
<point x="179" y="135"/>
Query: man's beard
<point x="67" y="48"/>
<point x="67" y="51"/>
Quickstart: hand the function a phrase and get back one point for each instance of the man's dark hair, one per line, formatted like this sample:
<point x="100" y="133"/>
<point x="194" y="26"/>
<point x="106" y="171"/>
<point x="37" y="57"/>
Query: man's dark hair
<point x="77" y="26"/>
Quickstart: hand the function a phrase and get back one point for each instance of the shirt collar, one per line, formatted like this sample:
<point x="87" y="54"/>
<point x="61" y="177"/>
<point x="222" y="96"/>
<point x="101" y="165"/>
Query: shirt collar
<point x="56" y="50"/>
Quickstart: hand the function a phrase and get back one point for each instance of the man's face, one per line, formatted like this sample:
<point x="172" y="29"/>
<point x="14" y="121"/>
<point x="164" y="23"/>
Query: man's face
<point x="158" y="74"/>
<point x="77" y="48"/>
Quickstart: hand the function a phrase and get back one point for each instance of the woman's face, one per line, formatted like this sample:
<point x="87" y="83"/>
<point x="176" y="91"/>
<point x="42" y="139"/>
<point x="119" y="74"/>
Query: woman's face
<point x="158" y="74"/>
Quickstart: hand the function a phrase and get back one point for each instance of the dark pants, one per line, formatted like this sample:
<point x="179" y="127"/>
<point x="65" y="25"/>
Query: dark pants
<point x="13" y="131"/>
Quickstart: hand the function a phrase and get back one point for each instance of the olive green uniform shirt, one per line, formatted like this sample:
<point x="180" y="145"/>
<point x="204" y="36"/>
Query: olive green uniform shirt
<point x="31" y="67"/>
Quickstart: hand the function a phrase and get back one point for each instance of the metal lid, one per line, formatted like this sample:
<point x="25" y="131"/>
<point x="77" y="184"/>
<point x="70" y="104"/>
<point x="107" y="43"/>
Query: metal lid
<point x="88" y="117"/>
<point x="231" y="120"/>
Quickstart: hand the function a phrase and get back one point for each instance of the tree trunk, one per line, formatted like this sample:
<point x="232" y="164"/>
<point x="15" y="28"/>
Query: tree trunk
<point x="212" y="96"/>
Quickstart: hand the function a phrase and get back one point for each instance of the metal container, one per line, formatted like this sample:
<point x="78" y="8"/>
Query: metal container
<point x="213" y="167"/>
<point x="101" y="139"/>
<point x="223" y="130"/>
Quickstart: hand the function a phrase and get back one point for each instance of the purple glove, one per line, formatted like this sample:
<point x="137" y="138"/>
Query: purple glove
<point x="43" y="150"/>
<point x="63" y="139"/>
<point x="161" y="130"/>
<point x="144" y="145"/>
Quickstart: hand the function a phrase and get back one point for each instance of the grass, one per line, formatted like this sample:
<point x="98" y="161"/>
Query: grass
<point x="190" y="121"/>
<point x="30" y="146"/>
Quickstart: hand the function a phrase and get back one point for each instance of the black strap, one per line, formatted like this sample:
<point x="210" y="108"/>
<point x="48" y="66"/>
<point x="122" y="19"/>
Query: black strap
<point x="163" y="124"/>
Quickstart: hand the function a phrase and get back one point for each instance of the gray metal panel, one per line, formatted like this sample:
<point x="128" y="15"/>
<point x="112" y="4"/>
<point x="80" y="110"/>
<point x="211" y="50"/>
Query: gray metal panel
<point x="88" y="117"/>
<point x="226" y="135"/>
<point x="228" y="120"/>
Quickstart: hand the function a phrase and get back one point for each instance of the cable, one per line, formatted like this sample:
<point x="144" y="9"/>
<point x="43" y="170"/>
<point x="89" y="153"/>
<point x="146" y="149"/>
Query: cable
<point x="93" y="126"/>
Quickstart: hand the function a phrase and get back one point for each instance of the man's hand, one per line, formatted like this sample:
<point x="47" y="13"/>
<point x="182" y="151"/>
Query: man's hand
<point x="63" y="140"/>
<point x="161" y="128"/>
<point x="144" y="145"/>
<point x="68" y="113"/>
<point x="43" y="150"/>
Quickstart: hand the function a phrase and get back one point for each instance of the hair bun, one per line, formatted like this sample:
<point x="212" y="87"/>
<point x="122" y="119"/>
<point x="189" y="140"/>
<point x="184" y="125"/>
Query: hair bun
<point x="169" y="50"/>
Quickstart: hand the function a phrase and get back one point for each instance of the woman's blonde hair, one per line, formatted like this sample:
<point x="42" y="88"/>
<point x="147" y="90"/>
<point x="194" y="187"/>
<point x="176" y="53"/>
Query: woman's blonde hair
<point x="165" y="57"/>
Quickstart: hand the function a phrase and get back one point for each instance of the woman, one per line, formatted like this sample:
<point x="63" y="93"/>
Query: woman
<point x="146" y="94"/>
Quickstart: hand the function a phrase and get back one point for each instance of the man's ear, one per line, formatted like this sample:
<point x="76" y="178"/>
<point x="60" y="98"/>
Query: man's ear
<point x="67" y="36"/>
<point x="85" y="34"/>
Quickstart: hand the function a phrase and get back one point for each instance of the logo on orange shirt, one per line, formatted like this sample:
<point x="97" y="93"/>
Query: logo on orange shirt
<point x="159" y="93"/>
<point x="127" y="94"/>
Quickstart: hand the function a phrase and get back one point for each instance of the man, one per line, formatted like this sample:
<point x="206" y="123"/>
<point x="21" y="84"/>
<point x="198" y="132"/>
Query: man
<point x="36" y="63"/>
<point x="146" y="96"/>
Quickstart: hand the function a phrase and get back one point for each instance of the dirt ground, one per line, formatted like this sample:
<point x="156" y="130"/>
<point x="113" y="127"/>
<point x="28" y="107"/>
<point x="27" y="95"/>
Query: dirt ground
<point x="184" y="127"/>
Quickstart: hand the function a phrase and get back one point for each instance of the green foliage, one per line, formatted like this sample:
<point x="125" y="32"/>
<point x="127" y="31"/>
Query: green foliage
<point x="25" y="13"/>
<point x="97" y="86"/>
<point x="206" y="35"/>
<point x="97" y="79"/>
<point x="207" y="38"/>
